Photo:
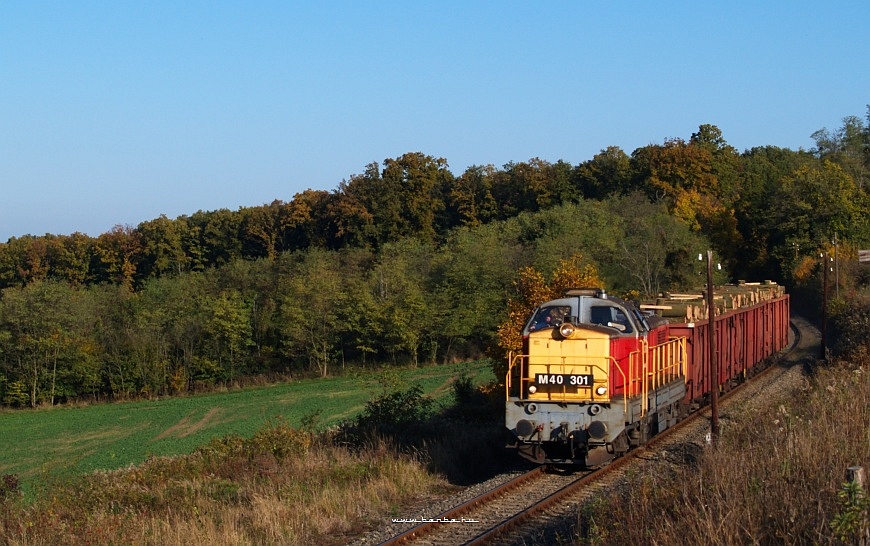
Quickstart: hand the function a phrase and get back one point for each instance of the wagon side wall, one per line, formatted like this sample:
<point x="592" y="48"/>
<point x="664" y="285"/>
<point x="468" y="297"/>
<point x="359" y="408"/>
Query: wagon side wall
<point x="744" y="338"/>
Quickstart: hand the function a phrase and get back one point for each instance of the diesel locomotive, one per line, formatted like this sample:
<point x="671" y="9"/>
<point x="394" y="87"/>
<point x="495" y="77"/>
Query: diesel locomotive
<point x="599" y="375"/>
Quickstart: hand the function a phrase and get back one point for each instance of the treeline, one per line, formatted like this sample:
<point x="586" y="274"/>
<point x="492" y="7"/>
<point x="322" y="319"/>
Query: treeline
<point x="404" y="262"/>
<point x="756" y="207"/>
<point x="308" y="311"/>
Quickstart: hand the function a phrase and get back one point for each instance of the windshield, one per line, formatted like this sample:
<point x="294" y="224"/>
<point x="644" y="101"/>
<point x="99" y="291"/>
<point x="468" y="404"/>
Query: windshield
<point x="550" y="316"/>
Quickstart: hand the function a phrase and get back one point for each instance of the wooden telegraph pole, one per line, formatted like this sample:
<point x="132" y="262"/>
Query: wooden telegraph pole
<point x="713" y="366"/>
<point x="824" y="355"/>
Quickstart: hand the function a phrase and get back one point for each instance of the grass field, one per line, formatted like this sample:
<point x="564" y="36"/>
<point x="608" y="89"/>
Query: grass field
<point x="55" y="442"/>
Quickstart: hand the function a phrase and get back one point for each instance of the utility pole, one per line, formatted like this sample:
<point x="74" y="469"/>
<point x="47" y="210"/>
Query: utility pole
<point x="824" y="328"/>
<point x="713" y="364"/>
<point x="836" y="267"/>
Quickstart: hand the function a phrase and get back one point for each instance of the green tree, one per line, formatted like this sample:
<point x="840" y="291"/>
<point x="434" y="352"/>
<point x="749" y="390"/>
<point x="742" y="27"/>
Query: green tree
<point x="421" y="183"/>
<point x="470" y="278"/>
<point x="10" y="258"/>
<point x="848" y="146"/>
<point x="115" y="331"/>
<point x="168" y="334"/>
<point x="70" y="258"/>
<point x="310" y="293"/>
<point x="762" y="171"/>
<point x="46" y="339"/>
<point x="116" y="256"/>
<point x="815" y="203"/>
<point x="360" y="328"/>
<point x="471" y="202"/>
<point x="724" y="161"/>
<point x="163" y="247"/>
<point x="143" y="355"/>
<point x="220" y="236"/>
<point x="351" y="213"/>
<point x="228" y="327"/>
<point x="255" y="283"/>
<point x="260" y="230"/>
<point x="574" y="228"/>
<point x="654" y="251"/>
<point x="608" y="172"/>
<point x="525" y="187"/>
<point x="401" y="297"/>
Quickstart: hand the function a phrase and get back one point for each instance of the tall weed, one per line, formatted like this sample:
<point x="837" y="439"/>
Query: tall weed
<point x="281" y="486"/>
<point x="775" y="479"/>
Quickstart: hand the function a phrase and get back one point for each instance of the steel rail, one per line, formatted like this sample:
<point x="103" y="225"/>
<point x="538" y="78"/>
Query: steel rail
<point x="426" y="528"/>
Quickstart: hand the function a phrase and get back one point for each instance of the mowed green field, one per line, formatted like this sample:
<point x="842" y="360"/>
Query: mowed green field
<point x="55" y="442"/>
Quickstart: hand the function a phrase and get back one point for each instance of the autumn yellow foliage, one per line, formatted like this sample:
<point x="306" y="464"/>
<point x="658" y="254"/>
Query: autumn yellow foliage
<point x="532" y="289"/>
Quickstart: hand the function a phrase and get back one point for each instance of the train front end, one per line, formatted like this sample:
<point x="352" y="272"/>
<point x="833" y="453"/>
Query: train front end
<point x="588" y="380"/>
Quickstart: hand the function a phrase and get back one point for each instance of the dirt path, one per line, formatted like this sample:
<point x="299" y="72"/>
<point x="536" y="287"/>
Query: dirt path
<point x="182" y="428"/>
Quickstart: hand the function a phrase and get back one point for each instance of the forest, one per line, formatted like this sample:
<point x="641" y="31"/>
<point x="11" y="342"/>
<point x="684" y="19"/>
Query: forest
<point x="408" y="263"/>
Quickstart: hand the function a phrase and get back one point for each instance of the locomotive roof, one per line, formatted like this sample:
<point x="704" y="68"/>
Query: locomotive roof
<point x="583" y="303"/>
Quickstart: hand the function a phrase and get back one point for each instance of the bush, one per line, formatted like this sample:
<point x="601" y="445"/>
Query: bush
<point x="281" y="440"/>
<point x="16" y="395"/>
<point x="853" y="519"/>
<point x="9" y="487"/>
<point x="483" y="404"/>
<point x="848" y="326"/>
<point x="394" y="411"/>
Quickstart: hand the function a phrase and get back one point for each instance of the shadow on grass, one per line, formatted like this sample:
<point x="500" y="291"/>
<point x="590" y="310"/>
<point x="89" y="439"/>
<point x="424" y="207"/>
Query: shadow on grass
<point x="464" y="441"/>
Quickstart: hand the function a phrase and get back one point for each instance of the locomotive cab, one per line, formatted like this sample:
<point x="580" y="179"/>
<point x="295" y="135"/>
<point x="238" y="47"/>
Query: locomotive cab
<point x="589" y="380"/>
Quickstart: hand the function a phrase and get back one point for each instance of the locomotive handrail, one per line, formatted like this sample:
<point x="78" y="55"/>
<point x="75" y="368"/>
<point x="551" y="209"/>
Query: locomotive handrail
<point x="644" y="400"/>
<point x="648" y="369"/>
<point x="565" y="365"/>
<point x="566" y="362"/>
<point x="668" y="363"/>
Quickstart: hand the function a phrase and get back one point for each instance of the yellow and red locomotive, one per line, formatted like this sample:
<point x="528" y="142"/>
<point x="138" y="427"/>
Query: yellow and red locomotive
<point x="600" y="375"/>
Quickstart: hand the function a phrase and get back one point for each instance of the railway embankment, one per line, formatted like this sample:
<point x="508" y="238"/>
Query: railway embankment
<point x="776" y="476"/>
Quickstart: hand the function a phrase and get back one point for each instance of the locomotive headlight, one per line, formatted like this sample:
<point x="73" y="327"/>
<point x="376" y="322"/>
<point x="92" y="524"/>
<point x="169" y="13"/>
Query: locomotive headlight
<point x="566" y="329"/>
<point x="601" y="390"/>
<point x="533" y="389"/>
<point x="597" y="430"/>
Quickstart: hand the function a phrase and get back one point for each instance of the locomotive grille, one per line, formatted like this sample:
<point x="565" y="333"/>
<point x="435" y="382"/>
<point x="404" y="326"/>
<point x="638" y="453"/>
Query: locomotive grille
<point x="661" y="337"/>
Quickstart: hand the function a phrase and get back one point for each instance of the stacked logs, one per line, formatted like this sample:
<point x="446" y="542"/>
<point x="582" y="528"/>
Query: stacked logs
<point x="692" y="306"/>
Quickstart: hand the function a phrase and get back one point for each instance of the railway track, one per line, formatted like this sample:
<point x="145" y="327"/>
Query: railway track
<point x="491" y="516"/>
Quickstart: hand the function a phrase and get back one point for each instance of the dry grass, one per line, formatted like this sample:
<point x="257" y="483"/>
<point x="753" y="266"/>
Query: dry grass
<point x="777" y="477"/>
<point x="284" y="486"/>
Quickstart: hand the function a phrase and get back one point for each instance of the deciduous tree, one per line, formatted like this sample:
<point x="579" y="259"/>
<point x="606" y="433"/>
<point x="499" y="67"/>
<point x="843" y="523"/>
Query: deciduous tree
<point x="532" y="288"/>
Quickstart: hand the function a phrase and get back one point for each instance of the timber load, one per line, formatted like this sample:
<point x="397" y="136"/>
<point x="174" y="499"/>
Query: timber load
<point x="691" y="306"/>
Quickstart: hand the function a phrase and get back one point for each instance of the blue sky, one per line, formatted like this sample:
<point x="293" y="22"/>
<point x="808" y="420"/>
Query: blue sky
<point x="115" y="112"/>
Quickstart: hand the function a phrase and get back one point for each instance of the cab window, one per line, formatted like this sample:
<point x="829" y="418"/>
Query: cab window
<point x="612" y="317"/>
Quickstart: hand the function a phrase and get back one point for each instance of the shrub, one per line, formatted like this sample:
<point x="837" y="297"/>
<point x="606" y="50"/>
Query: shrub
<point x="393" y="411"/>
<point x="483" y="404"/>
<point x="281" y="440"/>
<point x="853" y="519"/>
<point x="848" y="326"/>
<point x="9" y="487"/>
<point x="16" y="395"/>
